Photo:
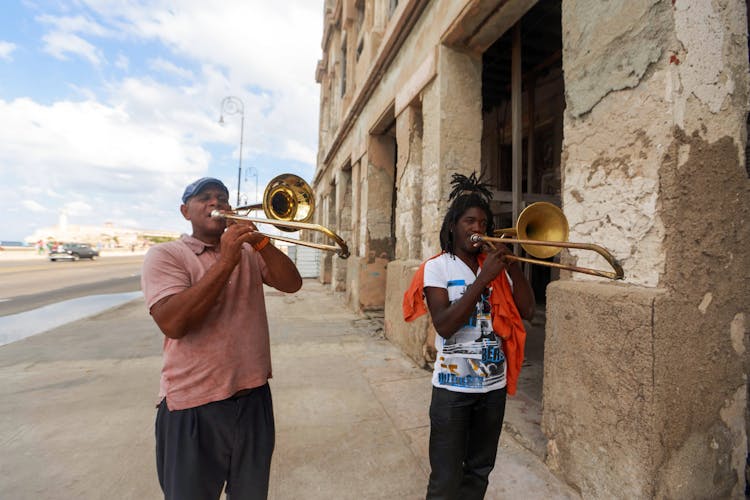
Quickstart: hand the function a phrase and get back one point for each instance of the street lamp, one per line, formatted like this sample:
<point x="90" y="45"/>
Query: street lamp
<point x="232" y="105"/>
<point x="253" y="172"/>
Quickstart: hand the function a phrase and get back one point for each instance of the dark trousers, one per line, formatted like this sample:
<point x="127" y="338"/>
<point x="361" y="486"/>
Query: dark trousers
<point x="200" y="449"/>
<point x="464" y="433"/>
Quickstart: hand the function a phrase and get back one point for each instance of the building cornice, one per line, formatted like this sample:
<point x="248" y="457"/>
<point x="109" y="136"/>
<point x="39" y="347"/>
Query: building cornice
<point x="332" y="18"/>
<point x="394" y="39"/>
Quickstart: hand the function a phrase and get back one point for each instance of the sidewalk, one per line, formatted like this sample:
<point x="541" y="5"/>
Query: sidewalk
<point x="351" y="410"/>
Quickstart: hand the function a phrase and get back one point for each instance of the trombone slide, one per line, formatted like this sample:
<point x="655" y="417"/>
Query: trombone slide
<point x="616" y="274"/>
<point x="342" y="250"/>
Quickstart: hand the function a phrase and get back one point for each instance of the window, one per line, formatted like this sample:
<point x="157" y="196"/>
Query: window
<point x="360" y="47"/>
<point x="360" y="23"/>
<point x="360" y="15"/>
<point x="392" y="4"/>
<point x="343" y="67"/>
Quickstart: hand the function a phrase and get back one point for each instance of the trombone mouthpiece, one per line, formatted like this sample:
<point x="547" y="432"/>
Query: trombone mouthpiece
<point x="215" y="214"/>
<point x="475" y="238"/>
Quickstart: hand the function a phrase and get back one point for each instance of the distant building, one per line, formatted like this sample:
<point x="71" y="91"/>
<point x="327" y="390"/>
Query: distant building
<point x="631" y="115"/>
<point x="106" y="236"/>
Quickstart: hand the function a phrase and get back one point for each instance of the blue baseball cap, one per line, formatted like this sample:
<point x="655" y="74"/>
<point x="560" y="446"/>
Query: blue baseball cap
<point x="197" y="186"/>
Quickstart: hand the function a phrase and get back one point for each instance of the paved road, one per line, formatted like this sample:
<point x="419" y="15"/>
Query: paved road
<point x="29" y="284"/>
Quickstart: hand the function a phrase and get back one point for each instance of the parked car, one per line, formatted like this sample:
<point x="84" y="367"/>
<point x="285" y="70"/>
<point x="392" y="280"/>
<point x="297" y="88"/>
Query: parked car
<point x="73" y="251"/>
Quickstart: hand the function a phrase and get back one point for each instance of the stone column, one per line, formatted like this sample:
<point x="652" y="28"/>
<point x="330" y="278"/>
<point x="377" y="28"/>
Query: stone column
<point x="645" y="389"/>
<point x="357" y="226"/>
<point x="343" y="226"/>
<point x="323" y="218"/>
<point x="377" y="243"/>
<point x="450" y="141"/>
<point x="409" y="184"/>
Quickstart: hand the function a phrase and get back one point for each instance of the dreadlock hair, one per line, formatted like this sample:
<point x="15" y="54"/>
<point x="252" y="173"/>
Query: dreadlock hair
<point x="468" y="192"/>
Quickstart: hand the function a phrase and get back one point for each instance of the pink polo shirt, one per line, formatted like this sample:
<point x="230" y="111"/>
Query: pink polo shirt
<point x="227" y="352"/>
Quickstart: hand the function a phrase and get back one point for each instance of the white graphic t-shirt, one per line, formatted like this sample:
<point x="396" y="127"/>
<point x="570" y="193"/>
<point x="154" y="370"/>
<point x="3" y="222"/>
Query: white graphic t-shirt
<point x="471" y="360"/>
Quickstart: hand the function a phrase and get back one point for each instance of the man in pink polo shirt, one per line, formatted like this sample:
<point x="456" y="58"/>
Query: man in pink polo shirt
<point x="214" y="424"/>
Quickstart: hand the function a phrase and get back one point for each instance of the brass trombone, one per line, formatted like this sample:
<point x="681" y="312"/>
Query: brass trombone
<point x="288" y="203"/>
<point x="542" y="230"/>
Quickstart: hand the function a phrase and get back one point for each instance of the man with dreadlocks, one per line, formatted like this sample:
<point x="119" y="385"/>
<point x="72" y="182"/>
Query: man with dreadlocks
<point x="476" y="301"/>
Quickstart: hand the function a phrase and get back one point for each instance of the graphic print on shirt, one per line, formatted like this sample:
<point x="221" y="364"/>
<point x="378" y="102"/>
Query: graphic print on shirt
<point x="472" y="358"/>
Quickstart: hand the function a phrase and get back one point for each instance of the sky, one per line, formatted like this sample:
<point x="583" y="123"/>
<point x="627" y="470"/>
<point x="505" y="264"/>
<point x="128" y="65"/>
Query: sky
<point x="111" y="107"/>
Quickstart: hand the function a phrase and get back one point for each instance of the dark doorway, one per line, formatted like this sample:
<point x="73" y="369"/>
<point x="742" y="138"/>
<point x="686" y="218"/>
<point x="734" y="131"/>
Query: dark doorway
<point x="542" y="101"/>
<point x="522" y="135"/>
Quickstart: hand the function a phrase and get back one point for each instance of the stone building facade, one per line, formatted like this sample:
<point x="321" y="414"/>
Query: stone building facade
<point x="631" y="115"/>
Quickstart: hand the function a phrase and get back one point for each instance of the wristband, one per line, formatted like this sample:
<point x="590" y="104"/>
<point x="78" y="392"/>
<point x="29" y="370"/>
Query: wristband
<point x="261" y="244"/>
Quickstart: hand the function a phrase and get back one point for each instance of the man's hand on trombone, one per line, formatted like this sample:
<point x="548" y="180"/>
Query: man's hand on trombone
<point x="498" y="260"/>
<point x="234" y="236"/>
<point x="495" y="260"/>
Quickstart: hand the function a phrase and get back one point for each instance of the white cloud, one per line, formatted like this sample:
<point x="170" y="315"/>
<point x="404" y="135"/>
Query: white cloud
<point x="77" y="208"/>
<point x="33" y="206"/>
<point x="75" y="24"/>
<point x="164" y="66"/>
<point x="109" y="158"/>
<point x="6" y="49"/>
<point x="122" y="62"/>
<point x="256" y="40"/>
<point x="296" y="151"/>
<point x="269" y="46"/>
<point x="58" y="44"/>
<point x="80" y="136"/>
<point x="123" y="149"/>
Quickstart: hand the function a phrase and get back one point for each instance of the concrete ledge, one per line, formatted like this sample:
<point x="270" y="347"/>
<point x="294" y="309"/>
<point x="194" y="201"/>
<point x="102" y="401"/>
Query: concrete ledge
<point x="415" y="339"/>
<point x="644" y="392"/>
<point x="598" y="387"/>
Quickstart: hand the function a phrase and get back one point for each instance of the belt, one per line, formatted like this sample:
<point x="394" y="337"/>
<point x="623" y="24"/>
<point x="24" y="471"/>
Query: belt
<point x="245" y="392"/>
<point x="241" y="394"/>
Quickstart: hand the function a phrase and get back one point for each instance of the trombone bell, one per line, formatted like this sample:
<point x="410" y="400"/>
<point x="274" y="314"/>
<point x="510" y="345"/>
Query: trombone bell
<point x="289" y="198"/>
<point x="544" y="222"/>
<point x="286" y="198"/>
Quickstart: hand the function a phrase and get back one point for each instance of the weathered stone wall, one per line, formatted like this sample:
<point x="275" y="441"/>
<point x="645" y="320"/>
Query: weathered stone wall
<point x="614" y="140"/>
<point x="343" y="221"/>
<point x="700" y="324"/>
<point x="420" y="179"/>
<point x="646" y="396"/>
<point x="434" y="193"/>
<point x="376" y="247"/>
<point x="415" y="338"/>
<point x="352" y="263"/>
<point x="598" y="390"/>
<point x="409" y="184"/>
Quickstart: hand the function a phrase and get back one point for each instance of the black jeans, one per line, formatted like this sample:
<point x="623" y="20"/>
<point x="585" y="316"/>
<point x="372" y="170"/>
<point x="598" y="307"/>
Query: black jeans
<point x="200" y="449"/>
<point x="464" y="433"/>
